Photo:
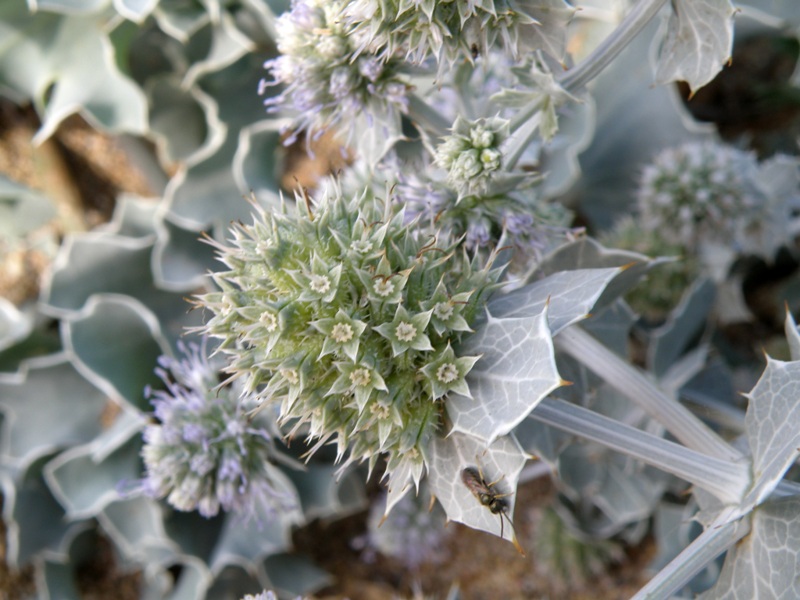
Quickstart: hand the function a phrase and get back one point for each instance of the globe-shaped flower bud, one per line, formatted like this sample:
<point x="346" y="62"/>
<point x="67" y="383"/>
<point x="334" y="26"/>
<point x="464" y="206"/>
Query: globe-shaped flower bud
<point x="471" y="153"/>
<point x="204" y="453"/>
<point x="346" y="317"/>
<point x="328" y="80"/>
<point x="700" y="192"/>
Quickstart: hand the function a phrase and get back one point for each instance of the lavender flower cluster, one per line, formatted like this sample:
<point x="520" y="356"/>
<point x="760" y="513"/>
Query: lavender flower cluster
<point x="203" y="453"/>
<point x="328" y="81"/>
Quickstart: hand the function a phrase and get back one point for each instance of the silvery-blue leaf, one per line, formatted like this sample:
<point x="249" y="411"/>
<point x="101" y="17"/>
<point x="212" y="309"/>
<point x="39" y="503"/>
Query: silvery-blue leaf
<point x="68" y="7"/>
<point x="234" y="582"/>
<point x="22" y="209"/>
<point x="255" y="164"/>
<point x="135" y="10"/>
<point x="569" y="294"/>
<point x="178" y="118"/>
<point x="246" y="541"/>
<point x="92" y="263"/>
<point x="698" y="42"/>
<point x="550" y="32"/>
<point x="674" y="529"/>
<point x="295" y="575"/>
<point x="516" y="370"/>
<point x="206" y="191"/>
<point x="85" y="79"/>
<point x="627" y="101"/>
<point x="14" y="324"/>
<point x="57" y="580"/>
<point x="773" y="427"/>
<point x="83" y="485"/>
<point x="190" y="532"/>
<point x="193" y="580"/>
<point x="34" y="518"/>
<point x="499" y="463"/>
<point x="47" y="406"/>
<point x="181" y="261"/>
<point x="228" y="44"/>
<point x="119" y="360"/>
<point x="765" y="563"/>
<point x="181" y="20"/>
<point x="323" y="494"/>
<point x="136" y="528"/>
<point x="612" y="326"/>
<point x="792" y="336"/>
<point x="102" y="262"/>
<point x="55" y="571"/>
<point x="133" y="217"/>
<point x="683" y="325"/>
<point x="559" y="157"/>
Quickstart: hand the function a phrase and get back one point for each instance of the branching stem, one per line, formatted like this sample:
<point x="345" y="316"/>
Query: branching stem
<point x="725" y="479"/>
<point x="633" y="384"/>
<point x="642" y="13"/>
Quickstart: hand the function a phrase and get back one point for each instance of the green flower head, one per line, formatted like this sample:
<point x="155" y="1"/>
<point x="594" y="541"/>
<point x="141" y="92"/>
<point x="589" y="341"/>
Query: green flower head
<point x="342" y="315"/>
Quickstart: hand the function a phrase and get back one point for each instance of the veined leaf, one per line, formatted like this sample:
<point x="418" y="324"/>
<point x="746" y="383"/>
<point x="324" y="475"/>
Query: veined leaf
<point x="499" y="463"/>
<point x="766" y="562"/>
<point x="698" y="42"/>
<point x="516" y="370"/>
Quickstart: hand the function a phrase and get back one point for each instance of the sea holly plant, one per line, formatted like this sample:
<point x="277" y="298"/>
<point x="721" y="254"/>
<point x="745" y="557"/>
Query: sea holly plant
<point x="434" y="313"/>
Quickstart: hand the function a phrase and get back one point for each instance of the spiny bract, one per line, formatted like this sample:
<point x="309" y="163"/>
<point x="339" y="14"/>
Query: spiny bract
<point x="348" y="318"/>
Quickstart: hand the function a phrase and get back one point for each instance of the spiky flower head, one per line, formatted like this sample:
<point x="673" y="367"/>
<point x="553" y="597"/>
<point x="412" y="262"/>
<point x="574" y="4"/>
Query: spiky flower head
<point x="328" y="80"/>
<point x="203" y="453"/>
<point x="471" y="154"/>
<point x="344" y="316"/>
<point x="701" y="191"/>
<point x="447" y="30"/>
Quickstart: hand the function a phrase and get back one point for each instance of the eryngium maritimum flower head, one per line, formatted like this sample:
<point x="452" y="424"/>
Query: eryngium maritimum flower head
<point x="341" y="313"/>
<point x="701" y="191"/>
<point x="204" y="454"/>
<point x="447" y="29"/>
<point x="327" y="81"/>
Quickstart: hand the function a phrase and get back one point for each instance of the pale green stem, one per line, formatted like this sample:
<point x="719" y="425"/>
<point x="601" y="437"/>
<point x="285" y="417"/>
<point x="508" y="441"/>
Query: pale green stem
<point x="693" y="559"/>
<point x="525" y="123"/>
<point x="642" y="13"/>
<point x="725" y="479"/>
<point x="427" y="117"/>
<point x="633" y="384"/>
<point x="521" y="139"/>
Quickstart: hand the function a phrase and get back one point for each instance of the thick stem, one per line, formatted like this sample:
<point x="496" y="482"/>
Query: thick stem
<point x="705" y="548"/>
<point x="633" y="384"/>
<point x="521" y="140"/>
<point x="641" y="14"/>
<point x="427" y="117"/>
<point x="725" y="479"/>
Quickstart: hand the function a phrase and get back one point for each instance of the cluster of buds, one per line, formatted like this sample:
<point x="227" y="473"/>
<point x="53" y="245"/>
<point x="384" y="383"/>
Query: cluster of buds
<point x="471" y="153"/>
<point x="329" y="80"/>
<point x="204" y="453"/>
<point x="347" y="317"/>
